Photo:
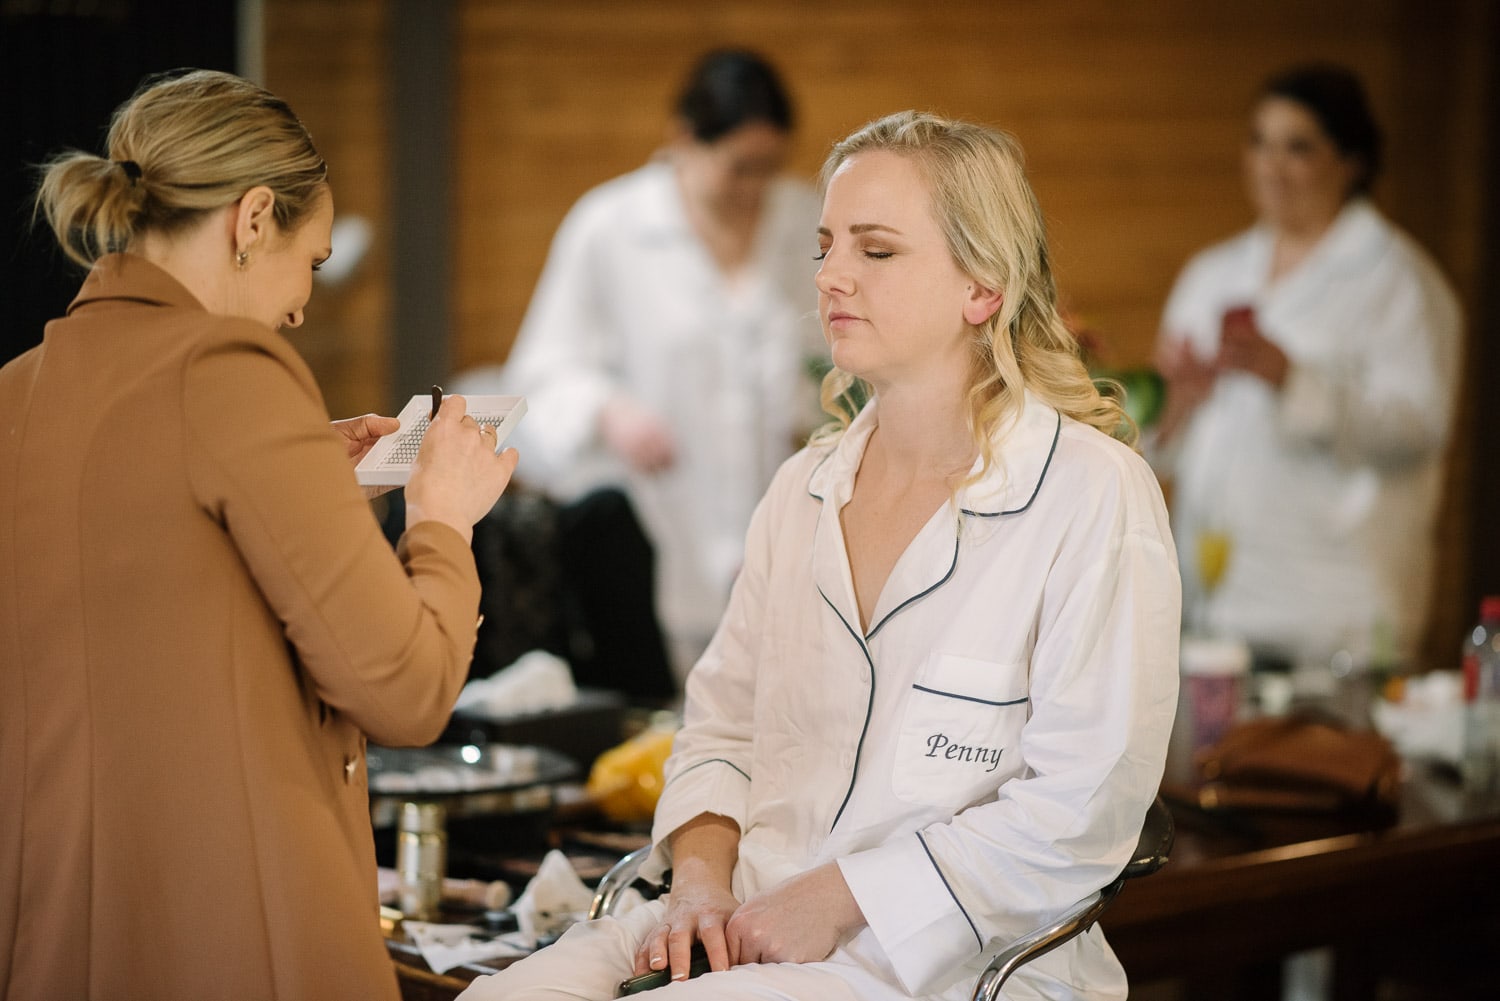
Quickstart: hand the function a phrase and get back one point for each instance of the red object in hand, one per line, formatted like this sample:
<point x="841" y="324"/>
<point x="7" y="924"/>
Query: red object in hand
<point x="1238" y="318"/>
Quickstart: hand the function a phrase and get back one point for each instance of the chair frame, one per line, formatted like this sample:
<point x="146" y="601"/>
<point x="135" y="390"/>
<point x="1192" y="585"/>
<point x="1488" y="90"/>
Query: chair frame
<point x="620" y="877"/>
<point x="1152" y="851"/>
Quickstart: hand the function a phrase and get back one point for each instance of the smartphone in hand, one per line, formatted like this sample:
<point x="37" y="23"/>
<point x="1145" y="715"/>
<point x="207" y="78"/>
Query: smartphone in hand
<point x="660" y="978"/>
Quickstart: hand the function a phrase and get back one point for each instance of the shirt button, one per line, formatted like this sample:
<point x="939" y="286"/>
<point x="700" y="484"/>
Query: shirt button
<point x="350" y="764"/>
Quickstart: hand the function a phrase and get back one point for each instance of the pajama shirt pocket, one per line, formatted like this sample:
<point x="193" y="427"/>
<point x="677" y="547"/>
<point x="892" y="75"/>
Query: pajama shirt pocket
<point x="962" y="720"/>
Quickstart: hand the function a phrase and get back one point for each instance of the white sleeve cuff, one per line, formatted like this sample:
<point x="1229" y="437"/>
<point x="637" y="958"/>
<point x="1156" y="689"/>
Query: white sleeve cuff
<point x="713" y="785"/>
<point x="569" y="411"/>
<point x="913" y="913"/>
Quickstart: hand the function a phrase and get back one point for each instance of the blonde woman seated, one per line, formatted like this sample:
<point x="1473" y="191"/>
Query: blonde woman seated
<point x="937" y="708"/>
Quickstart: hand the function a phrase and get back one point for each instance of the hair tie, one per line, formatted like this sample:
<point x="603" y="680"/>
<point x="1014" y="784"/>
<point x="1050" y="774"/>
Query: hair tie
<point x="131" y="168"/>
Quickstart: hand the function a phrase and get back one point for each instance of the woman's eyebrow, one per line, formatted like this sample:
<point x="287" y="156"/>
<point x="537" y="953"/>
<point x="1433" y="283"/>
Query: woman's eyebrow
<point x="863" y="227"/>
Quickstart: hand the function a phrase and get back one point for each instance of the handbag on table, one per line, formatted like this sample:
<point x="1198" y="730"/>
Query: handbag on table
<point x="1298" y="765"/>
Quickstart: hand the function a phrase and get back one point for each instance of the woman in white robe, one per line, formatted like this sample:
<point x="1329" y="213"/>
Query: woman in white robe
<point x="667" y="347"/>
<point x="1311" y="365"/>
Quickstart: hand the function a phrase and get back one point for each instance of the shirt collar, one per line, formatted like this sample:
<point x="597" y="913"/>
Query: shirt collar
<point x="1023" y="454"/>
<point x="1353" y="238"/>
<point x="131" y="278"/>
<point x="1350" y="243"/>
<point x="661" y="211"/>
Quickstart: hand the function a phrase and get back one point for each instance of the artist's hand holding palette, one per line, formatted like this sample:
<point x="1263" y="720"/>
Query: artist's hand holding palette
<point x="388" y="463"/>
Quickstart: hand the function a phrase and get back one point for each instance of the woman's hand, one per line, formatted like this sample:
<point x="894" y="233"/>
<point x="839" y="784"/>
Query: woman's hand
<point x="695" y="913"/>
<point x="1243" y="348"/>
<point x="456" y="477"/>
<point x="638" y="435"/>
<point x="799" y="921"/>
<point x="1188" y="380"/>
<point x="704" y="851"/>
<point x="360" y="435"/>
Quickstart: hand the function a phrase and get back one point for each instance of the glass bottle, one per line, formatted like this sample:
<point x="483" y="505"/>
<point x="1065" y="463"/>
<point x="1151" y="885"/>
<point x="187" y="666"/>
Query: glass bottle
<point x="421" y="858"/>
<point x="1480" y="766"/>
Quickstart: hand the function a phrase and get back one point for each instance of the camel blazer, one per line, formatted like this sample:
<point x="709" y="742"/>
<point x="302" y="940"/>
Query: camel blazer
<point x="200" y="622"/>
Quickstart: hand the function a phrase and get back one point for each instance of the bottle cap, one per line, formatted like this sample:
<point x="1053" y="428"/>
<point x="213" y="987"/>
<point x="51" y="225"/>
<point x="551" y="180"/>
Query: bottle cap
<point x="1214" y="657"/>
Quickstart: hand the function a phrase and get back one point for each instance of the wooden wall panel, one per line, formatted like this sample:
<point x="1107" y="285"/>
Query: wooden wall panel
<point x="1132" y="116"/>
<point x="328" y="59"/>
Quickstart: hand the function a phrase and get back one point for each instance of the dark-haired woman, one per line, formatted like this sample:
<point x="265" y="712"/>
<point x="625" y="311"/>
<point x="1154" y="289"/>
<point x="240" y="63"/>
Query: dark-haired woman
<point x="664" y="346"/>
<point x="1310" y="364"/>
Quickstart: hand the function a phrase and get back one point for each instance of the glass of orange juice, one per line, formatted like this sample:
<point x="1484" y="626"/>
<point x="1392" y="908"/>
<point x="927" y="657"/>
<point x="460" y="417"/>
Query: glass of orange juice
<point x="1214" y="548"/>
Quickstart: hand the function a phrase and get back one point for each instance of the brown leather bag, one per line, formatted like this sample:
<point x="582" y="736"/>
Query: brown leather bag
<point x="1300" y="764"/>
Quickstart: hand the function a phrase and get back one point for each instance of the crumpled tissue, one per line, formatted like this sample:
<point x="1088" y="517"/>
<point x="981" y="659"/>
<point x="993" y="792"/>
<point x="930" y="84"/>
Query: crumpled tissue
<point x="447" y="946"/>
<point x="1428" y="722"/>
<point x="537" y="681"/>
<point x="554" y="899"/>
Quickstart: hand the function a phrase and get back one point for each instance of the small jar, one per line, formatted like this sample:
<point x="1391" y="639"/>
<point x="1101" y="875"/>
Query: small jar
<point x="421" y="859"/>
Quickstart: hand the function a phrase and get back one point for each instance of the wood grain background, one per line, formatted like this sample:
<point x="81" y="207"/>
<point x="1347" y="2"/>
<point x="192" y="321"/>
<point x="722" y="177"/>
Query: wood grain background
<point x="1132" y="115"/>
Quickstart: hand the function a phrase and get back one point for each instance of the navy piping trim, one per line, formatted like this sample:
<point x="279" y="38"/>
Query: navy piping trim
<point x="869" y="707"/>
<point x="923" y="842"/>
<point x="970" y="698"/>
<point x="1056" y="434"/>
<point x="920" y="594"/>
<point x="814" y="475"/>
<point x="709" y="761"/>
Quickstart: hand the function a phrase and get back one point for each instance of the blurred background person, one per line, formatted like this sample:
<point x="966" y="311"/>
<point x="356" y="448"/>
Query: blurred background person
<point x="666" y="348"/>
<point x="1310" y="365"/>
<point x="202" y="623"/>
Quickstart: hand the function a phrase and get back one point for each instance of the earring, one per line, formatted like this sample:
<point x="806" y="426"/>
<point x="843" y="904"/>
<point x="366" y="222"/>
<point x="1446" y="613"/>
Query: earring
<point x="241" y="259"/>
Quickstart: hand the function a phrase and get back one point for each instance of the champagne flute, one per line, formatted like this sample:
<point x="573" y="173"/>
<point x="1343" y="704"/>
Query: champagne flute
<point x="1214" y="548"/>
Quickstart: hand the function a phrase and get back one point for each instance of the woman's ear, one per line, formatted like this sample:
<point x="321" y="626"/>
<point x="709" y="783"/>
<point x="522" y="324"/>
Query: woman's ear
<point x="254" y="220"/>
<point x="981" y="303"/>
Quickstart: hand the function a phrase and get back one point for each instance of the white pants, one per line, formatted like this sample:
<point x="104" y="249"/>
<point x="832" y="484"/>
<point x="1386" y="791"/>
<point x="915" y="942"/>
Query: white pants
<point x="592" y="957"/>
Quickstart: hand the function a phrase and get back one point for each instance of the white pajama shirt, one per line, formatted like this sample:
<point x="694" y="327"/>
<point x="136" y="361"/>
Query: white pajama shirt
<point x="632" y="302"/>
<point x="978" y="761"/>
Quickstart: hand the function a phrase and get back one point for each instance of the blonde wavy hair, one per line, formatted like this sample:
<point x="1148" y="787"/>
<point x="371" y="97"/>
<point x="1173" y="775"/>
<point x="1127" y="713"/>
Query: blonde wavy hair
<point x="994" y="230"/>
<point x="179" y="147"/>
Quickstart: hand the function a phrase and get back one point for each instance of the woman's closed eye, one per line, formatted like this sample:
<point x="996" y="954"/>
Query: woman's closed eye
<point x="874" y="255"/>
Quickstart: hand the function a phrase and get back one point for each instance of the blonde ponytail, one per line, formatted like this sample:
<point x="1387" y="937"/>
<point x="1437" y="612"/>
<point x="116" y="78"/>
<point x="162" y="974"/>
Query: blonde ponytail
<point x="92" y="205"/>
<point x="180" y="147"/>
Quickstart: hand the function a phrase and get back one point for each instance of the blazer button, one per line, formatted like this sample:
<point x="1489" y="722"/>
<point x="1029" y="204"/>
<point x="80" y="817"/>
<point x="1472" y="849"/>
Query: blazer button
<point x="350" y="763"/>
